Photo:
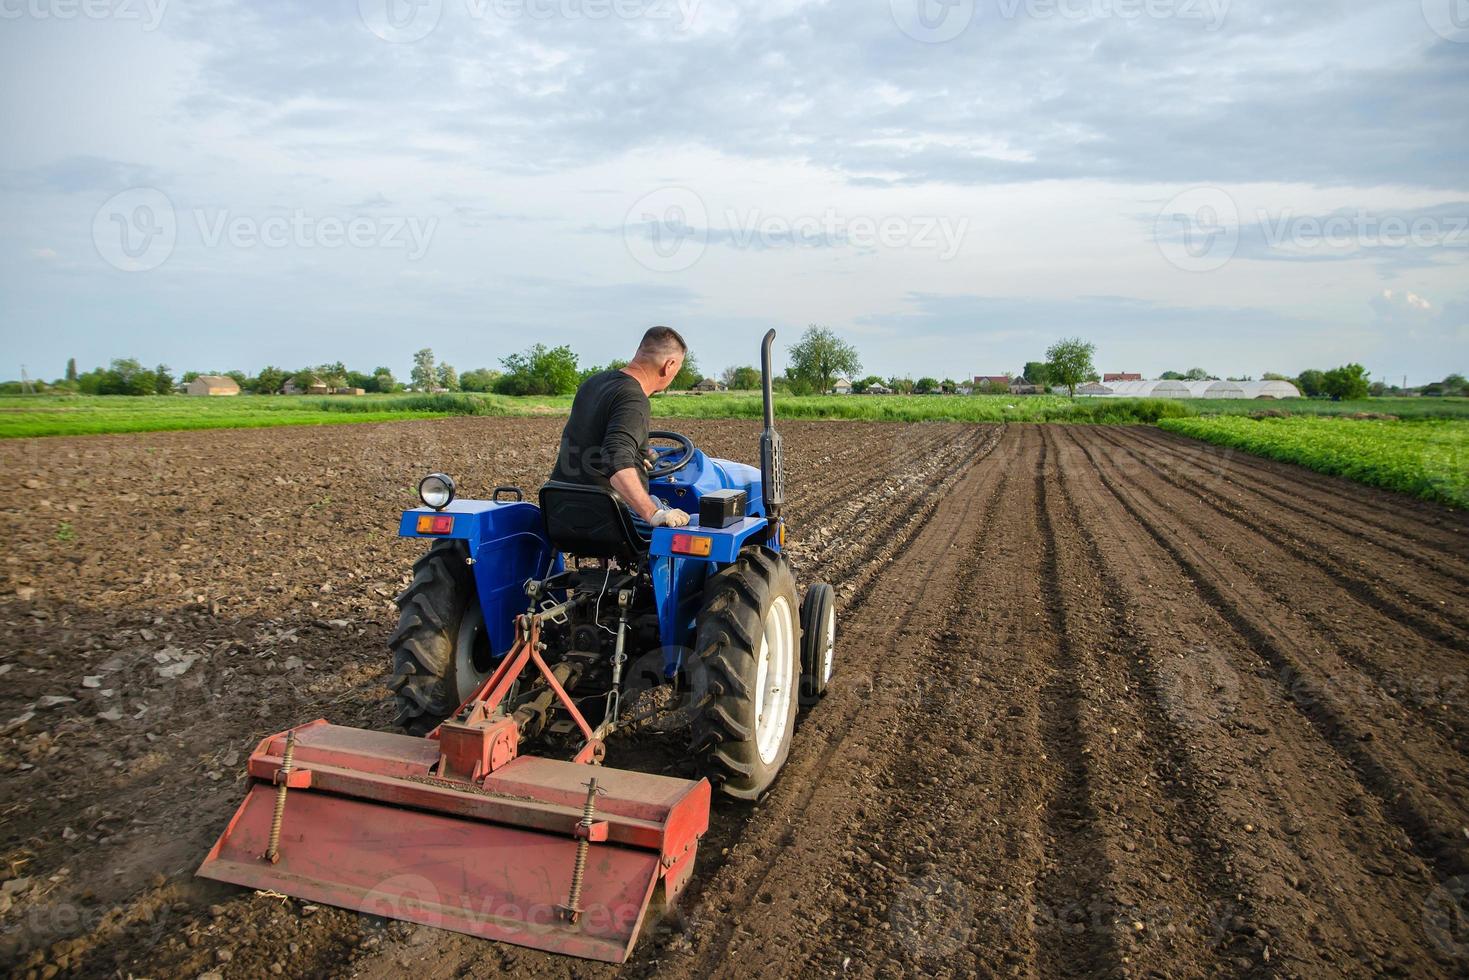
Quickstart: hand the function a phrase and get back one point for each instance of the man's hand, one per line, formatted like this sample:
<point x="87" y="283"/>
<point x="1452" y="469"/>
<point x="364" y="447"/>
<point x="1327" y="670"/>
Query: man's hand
<point x="669" y="517"/>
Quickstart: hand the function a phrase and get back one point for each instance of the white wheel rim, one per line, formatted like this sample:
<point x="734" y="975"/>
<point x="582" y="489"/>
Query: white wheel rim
<point x="828" y="645"/>
<point x="466" y="676"/>
<point x="774" y="668"/>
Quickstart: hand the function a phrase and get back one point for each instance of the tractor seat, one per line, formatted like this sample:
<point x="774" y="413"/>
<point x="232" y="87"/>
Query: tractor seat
<point x="590" y="522"/>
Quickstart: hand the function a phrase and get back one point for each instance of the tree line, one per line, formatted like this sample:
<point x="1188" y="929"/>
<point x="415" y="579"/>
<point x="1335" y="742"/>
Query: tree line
<point x="815" y="363"/>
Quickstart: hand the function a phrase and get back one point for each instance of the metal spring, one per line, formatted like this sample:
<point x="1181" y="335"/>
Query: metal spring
<point x="273" y="848"/>
<point x="579" y="870"/>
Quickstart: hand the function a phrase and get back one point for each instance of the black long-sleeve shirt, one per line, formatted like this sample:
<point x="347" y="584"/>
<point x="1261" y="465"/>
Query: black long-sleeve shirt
<point x="607" y="431"/>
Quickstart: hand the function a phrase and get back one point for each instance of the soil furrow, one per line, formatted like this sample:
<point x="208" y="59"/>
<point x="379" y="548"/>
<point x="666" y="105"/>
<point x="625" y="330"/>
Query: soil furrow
<point x="1433" y="618"/>
<point x="1168" y="816"/>
<point x="1402" y="776"/>
<point x="1443" y="533"/>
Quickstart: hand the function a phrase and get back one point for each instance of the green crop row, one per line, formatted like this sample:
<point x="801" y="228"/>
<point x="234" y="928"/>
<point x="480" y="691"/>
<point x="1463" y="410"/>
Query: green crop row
<point x="1427" y="458"/>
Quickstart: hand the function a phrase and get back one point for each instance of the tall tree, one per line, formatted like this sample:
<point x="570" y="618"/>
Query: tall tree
<point x="741" y="378"/>
<point x="1035" y="373"/>
<point x="539" y="370"/>
<point x="688" y="375"/>
<point x="820" y="357"/>
<point x="1346" y="383"/>
<point x="1069" y="363"/>
<point x="383" y="381"/>
<point x="423" y="375"/>
<point x="162" y="380"/>
<point x="1312" y="383"/>
<point x="269" y="381"/>
<point x="448" y="378"/>
<point x="71" y="369"/>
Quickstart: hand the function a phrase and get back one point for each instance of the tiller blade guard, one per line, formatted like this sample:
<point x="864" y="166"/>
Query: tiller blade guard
<point x="455" y="831"/>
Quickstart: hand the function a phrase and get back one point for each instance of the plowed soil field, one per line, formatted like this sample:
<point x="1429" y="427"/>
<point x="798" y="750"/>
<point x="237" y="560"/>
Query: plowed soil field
<point x="1108" y="702"/>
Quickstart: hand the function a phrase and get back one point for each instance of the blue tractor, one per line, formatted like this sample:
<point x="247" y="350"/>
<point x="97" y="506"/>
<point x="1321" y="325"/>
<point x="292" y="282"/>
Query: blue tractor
<point x="711" y="610"/>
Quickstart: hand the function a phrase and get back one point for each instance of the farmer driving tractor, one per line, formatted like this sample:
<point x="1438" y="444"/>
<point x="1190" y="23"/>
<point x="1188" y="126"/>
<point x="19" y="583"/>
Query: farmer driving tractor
<point x="605" y="442"/>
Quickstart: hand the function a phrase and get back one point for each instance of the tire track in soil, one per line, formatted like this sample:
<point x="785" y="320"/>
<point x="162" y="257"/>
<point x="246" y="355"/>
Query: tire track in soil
<point x="1078" y="875"/>
<point x="1360" y="582"/>
<point x="1302" y="593"/>
<point x="1420" y="788"/>
<point x="1437" y="638"/>
<point x="817" y="945"/>
<point x="1326" y="877"/>
<point x="807" y="774"/>
<point x="1354" y="509"/>
<point x="1165" y="816"/>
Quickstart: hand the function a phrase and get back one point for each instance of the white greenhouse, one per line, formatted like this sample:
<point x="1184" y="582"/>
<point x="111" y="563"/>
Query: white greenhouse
<point x="1271" y="390"/>
<point x="1216" y="389"/>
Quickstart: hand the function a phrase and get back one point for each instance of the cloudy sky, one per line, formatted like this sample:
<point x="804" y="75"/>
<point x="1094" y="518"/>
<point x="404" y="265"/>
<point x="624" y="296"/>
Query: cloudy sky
<point x="1243" y="185"/>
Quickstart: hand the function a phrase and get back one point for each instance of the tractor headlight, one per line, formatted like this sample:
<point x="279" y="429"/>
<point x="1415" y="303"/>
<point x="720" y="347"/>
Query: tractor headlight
<point x="436" y="490"/>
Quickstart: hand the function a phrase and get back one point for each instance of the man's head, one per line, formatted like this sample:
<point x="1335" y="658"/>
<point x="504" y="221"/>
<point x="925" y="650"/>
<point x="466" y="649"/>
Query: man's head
<point x="660" y="357"/>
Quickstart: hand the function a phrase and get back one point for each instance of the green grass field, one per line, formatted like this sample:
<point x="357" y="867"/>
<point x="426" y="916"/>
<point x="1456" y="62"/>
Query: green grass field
<point x="48" y="415"/>
<point x="1427" y="458"/>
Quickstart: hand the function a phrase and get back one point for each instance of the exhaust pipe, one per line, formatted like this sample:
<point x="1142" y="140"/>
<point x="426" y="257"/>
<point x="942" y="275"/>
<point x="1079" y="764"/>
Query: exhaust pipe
<point x="772" y="476"/>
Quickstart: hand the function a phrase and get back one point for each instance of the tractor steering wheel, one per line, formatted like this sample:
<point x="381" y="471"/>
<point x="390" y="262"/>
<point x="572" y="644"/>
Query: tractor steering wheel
<point x="671" y="459"/>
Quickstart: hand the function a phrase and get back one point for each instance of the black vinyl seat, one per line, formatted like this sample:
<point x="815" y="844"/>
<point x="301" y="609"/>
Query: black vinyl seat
<point x="590" y="522"/>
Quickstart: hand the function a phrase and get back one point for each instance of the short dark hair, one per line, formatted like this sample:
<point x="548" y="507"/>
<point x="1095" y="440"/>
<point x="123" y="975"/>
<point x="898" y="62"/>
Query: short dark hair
<point x="662" y="342"/>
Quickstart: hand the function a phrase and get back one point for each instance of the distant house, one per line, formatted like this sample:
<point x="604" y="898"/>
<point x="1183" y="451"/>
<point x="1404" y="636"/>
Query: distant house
<point x="1022" y="387"/>
<point x="841" y="387"/>
<point x="349" y="391"/>
<point x="1110" y="379"/>
<point x="213" y="385"/>
<point x="709" y="385"/>
<point x="879" y="390"/>
<point x="316" y="386"/>
<point x="1094" y="389"/>
<point x="992" y="379"/>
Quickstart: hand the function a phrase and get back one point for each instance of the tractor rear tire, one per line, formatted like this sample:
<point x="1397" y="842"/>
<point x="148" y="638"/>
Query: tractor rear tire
<point x="440" y="641"/>
<point x="818" y="642"/>
<point x="748" y="644"/>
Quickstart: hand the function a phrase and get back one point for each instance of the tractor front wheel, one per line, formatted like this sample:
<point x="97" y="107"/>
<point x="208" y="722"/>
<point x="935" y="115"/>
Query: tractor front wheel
<point x="749" y="646"/>
<point x="441" y="651"/>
